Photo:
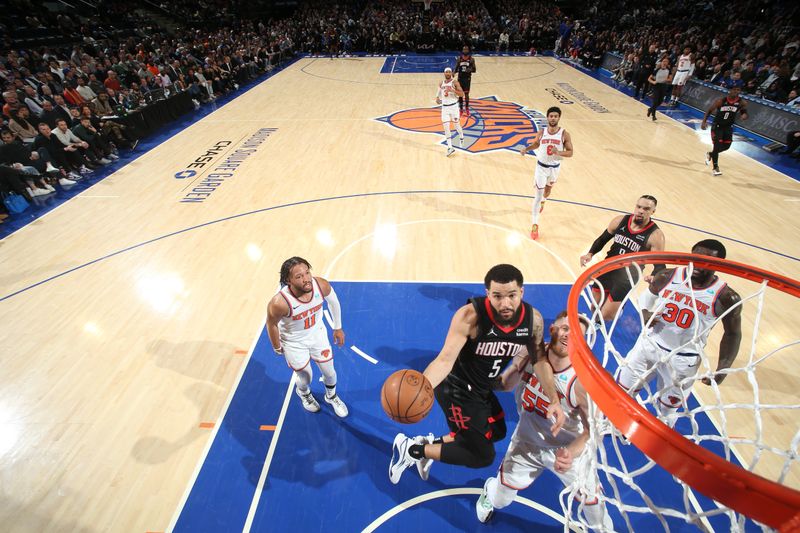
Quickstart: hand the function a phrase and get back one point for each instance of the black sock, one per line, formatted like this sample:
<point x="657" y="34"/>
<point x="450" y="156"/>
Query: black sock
<point x="417" y="451"/>
<point x="330" y="390"/>
<point x="715" y="158"/>
<point x="438" y="440"/>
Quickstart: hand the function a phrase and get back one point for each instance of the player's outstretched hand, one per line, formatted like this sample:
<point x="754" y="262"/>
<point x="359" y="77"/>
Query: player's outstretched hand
<point x="585" y="259"/>
<point x="717" y="377"/>
<point x="703" y="125"/>
<point x="338" y="337"/>
<point x="556" y="414"/>
<point x="523" y="150"/>
<point x="563" y="460"/>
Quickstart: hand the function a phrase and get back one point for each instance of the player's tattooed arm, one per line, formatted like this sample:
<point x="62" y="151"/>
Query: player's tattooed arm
<point x="544" y="372"/>
<point x="743" y="113"/>
<point x="462" y="324"/>
<point x="277" y="309"/>
<point x="732" y="336"/>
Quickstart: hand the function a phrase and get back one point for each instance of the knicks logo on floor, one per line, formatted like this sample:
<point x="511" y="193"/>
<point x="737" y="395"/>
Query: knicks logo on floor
<point x="491" y="125"/>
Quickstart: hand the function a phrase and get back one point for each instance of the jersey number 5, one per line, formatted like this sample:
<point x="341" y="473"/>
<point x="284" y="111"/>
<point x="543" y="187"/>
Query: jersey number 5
<point x="496" y="368"/>
<point x="309" y="322"/>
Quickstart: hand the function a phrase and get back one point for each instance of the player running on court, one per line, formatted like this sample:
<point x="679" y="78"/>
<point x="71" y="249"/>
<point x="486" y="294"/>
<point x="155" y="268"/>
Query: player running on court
<point x="297" y="331"/>
<point x="631" y="233"/>
<point x="724" y="111"/>
<point x="556" y="144"/>
<point x="447" y="96"/>
<point x="465" y="68"/>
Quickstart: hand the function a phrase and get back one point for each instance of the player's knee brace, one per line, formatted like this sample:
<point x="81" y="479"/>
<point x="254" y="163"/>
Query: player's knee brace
<point x="482" y="449"/>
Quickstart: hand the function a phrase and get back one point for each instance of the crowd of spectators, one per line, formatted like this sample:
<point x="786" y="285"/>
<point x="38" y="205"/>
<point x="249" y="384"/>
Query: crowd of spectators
<point x="66" y="75"/>
<point x="752" y="45"/>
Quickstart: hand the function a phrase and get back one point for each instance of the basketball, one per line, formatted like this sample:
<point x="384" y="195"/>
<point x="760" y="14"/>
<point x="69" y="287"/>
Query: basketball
<point x="407" y="396"/>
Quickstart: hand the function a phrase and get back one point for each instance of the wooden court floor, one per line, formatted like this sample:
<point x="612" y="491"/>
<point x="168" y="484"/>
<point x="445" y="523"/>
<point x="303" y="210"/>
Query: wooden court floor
<point x="128" y="312"/>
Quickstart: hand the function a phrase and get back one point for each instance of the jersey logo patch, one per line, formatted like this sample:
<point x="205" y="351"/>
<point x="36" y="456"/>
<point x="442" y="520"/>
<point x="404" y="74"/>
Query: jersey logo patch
<point x="458" y="417"/>
<point x="492" y="124"/>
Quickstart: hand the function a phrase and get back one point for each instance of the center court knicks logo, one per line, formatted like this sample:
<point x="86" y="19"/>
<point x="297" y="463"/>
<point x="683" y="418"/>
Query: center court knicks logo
<point x="492" y="124"/>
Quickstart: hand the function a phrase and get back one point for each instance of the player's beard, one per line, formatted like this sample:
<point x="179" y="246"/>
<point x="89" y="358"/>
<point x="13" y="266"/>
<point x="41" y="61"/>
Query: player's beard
<point x="506" y="322"/>
<point x="302" y="290"/>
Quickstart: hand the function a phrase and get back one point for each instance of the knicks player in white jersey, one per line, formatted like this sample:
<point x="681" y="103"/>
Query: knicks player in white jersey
<point x="448" y="95"/>
<point x="296" y="328"/>
<point x="686" y="308"/>
<point x="533" y="446"/>
<point x="684" y="69"/>
<point x="556" y="144"/>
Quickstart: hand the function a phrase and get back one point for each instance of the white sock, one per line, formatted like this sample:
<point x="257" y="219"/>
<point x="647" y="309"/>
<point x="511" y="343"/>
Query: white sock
<point x="596" y="515"/>
<point x="447" y="134"/>
<point x="499" y="495"/>
<point x="459" y="130"/>
<point x="537" y="203"/>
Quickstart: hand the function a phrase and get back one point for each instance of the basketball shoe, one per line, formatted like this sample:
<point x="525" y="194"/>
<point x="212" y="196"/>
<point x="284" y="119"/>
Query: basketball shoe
<point x="450" y="151"/>
<point x="308" y="401"/>
<point x="716" y="172"/>
<point x="338" y="405"/>
<point x="400" y="457"/>
<point x="424" y="464"/>
<point x="535" y="232"/>
<point x="483" y="507"/>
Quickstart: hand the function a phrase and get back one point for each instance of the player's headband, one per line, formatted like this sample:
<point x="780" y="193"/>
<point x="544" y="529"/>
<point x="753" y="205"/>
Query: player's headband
<point x="448" y="69"/>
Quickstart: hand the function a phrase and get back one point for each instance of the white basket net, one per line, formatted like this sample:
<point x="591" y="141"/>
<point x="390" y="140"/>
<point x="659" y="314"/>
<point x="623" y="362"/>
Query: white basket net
<point x="751" y="419"/>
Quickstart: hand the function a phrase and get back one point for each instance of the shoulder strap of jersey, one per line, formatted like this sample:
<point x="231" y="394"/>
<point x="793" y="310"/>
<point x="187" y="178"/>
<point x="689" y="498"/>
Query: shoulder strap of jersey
<point x="477" y="305"/>
<point x="624" y="222"/>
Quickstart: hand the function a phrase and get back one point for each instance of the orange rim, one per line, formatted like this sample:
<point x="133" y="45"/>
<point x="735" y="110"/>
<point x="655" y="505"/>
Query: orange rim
<point x="762" y="500"/>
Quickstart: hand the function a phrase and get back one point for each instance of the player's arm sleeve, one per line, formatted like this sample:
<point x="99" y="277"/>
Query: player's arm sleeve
<point x="335" y="308"/>
<point x="472" y="64"/>
<point x="600" y="242"/>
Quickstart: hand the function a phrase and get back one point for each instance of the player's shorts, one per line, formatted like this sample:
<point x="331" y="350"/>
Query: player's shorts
<point x="450" y="113"/>
<point x="546" y="175"/>
<point x="312" y="344"/>
<point x="722" y="134"/>
<point x="645" y="356"/>
<point x="617" y="283"/>
<point x="465" y="82"/>
<point x="524" y="462"/>
<point x="467" y="411"/>
<point x="680" y="78"/>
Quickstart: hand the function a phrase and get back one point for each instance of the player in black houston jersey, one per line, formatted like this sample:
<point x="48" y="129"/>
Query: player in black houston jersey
<point x="465" y="67"/>
<point x="724" y="111"/>
<point x="631" y="233"/>
<point x="484" y="335"/>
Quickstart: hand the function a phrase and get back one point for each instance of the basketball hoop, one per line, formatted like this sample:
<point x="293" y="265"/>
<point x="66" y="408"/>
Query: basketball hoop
<point x="737" y="488"/>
